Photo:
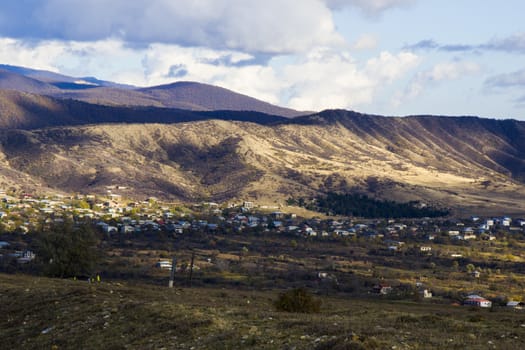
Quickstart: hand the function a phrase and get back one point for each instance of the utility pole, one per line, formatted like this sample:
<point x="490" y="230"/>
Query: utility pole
<point x="172" y="276"/>
<point x="191" y="266"/>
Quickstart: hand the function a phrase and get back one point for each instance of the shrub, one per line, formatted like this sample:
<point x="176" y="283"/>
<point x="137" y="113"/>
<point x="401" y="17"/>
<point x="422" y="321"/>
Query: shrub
<point x="297" y="300"/>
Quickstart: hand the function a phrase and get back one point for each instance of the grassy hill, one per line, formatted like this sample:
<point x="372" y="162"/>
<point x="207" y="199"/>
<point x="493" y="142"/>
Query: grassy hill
<point x="471" y="165"/>
<point x="39" y="313"/>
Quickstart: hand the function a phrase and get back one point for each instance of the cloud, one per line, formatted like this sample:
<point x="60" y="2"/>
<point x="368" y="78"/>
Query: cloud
<point x="510" y="84"/>
<point x="272" y="26"/>
<point x="365" y="42"/>
<point x="439" y="73"/>
<point x="511" y="44"/>
<point x="507" y="80"/>
<point x="327" y="79"/>
<point x="322" y="78"/>
<point x="427" y="44"/>
<point x="370" y="7"/>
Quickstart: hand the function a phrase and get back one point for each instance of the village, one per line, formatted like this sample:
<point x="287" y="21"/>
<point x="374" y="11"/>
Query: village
<point x="456" y="243"/>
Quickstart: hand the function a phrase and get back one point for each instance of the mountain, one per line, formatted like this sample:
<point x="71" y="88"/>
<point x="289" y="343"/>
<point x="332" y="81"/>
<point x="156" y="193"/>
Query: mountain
<point x="180" y="142"/>
<point x="181" y="95"/>
<point x="19" y="110"/>
<point x="473" y="165"/>
<point x="196" y="96"/>
<point x="13" y="81"/>
<point x="56" y="78"/>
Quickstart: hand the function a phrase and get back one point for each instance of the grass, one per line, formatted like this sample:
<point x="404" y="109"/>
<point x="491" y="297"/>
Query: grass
<point x="39" y="313"/>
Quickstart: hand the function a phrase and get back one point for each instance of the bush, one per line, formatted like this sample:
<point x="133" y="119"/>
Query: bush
<point x="297" y="300"/>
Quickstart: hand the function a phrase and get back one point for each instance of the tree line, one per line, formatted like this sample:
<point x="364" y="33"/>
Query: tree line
<point x="360" y="205"/>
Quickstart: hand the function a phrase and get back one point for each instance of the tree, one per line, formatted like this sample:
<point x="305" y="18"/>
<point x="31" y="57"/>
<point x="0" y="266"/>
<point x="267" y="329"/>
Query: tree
<point x="67" y="251"/>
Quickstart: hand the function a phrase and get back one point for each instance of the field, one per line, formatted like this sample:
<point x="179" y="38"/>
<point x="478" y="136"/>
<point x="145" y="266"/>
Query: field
<point x="228" y="300"/>
<point x="40" y="313"/>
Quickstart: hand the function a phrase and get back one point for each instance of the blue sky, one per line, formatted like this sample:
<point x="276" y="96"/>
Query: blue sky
<point x="390" y="57"/>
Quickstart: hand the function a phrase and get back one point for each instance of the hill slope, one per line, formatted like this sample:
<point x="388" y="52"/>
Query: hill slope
<point x="468" y="163"/>
<point x="19" y="110"/>
<point x="196" y="96"/>
<point x="182" y="95"/>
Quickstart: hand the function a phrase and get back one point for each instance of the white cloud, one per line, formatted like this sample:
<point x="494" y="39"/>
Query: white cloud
<point x="440" y="72"/>
<point x="327" y="79"/>
<point x="42" y="56"/>
<point x="365" y="42"/>
<point x="271" y="26"/>
<point x="388" y="67"/>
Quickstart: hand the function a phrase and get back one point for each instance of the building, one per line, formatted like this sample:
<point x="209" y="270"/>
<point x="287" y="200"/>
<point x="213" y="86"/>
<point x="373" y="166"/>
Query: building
<point x="382" y="289"/>
<point x="476" y="300"/>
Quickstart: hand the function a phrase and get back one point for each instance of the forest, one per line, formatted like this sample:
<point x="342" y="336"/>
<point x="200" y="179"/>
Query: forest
<point x="360" y="205"/>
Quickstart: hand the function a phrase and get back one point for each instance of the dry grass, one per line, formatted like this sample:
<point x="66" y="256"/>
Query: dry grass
<point x="40" y="313"/>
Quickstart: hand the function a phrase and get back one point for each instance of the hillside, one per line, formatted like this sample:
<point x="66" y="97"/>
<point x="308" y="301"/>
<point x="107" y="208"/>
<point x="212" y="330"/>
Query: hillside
<point x="20" y="110"/>
<point x="13" y="81"/>
<point x="180" y="95"/>
<point x="45" y="313"/>
<point x="470" y="164"/>
<point x="192" y="142"/>
<point x="191" y="95"/>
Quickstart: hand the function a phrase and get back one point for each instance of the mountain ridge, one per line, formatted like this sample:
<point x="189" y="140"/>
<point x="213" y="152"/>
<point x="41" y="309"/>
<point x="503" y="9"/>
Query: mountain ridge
<point x="179" y="95"/>
<point x="223" y="160"/>
<point x="48" y="143"/>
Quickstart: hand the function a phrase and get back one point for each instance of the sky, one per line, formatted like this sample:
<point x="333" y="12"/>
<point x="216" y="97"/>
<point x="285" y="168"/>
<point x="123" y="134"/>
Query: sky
<point x="388" y="57"/>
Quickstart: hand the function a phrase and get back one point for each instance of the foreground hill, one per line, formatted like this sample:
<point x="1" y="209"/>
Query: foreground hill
<point x="45" y="313"/>
<point x="471" y="163"/>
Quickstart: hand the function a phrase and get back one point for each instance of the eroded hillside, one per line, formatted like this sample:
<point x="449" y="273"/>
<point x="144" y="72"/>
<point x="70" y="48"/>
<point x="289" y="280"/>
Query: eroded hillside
<point x="458" y="162"/>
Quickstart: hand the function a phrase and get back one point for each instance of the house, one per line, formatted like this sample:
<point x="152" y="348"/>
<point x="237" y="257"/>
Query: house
<point x="340" y="232"/>
<point x="382" y="289"/>
<point x="518" y="305"/>
<point x="126" y="229"/>
<point x="25" y="257"/>
<point x="426" y="294"/>
<point x="164" y="265"/>
<point x="476" y="300"/>
<point x="506" y="221"/>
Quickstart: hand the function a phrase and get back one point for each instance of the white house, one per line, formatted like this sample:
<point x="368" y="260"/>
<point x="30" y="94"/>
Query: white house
<point x="476" y="300"/>
<point x="164" y="265"/>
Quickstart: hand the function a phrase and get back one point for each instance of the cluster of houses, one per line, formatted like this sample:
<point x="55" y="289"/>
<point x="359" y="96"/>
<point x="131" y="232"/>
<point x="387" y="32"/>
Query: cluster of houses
<point x="112" y="215"/>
